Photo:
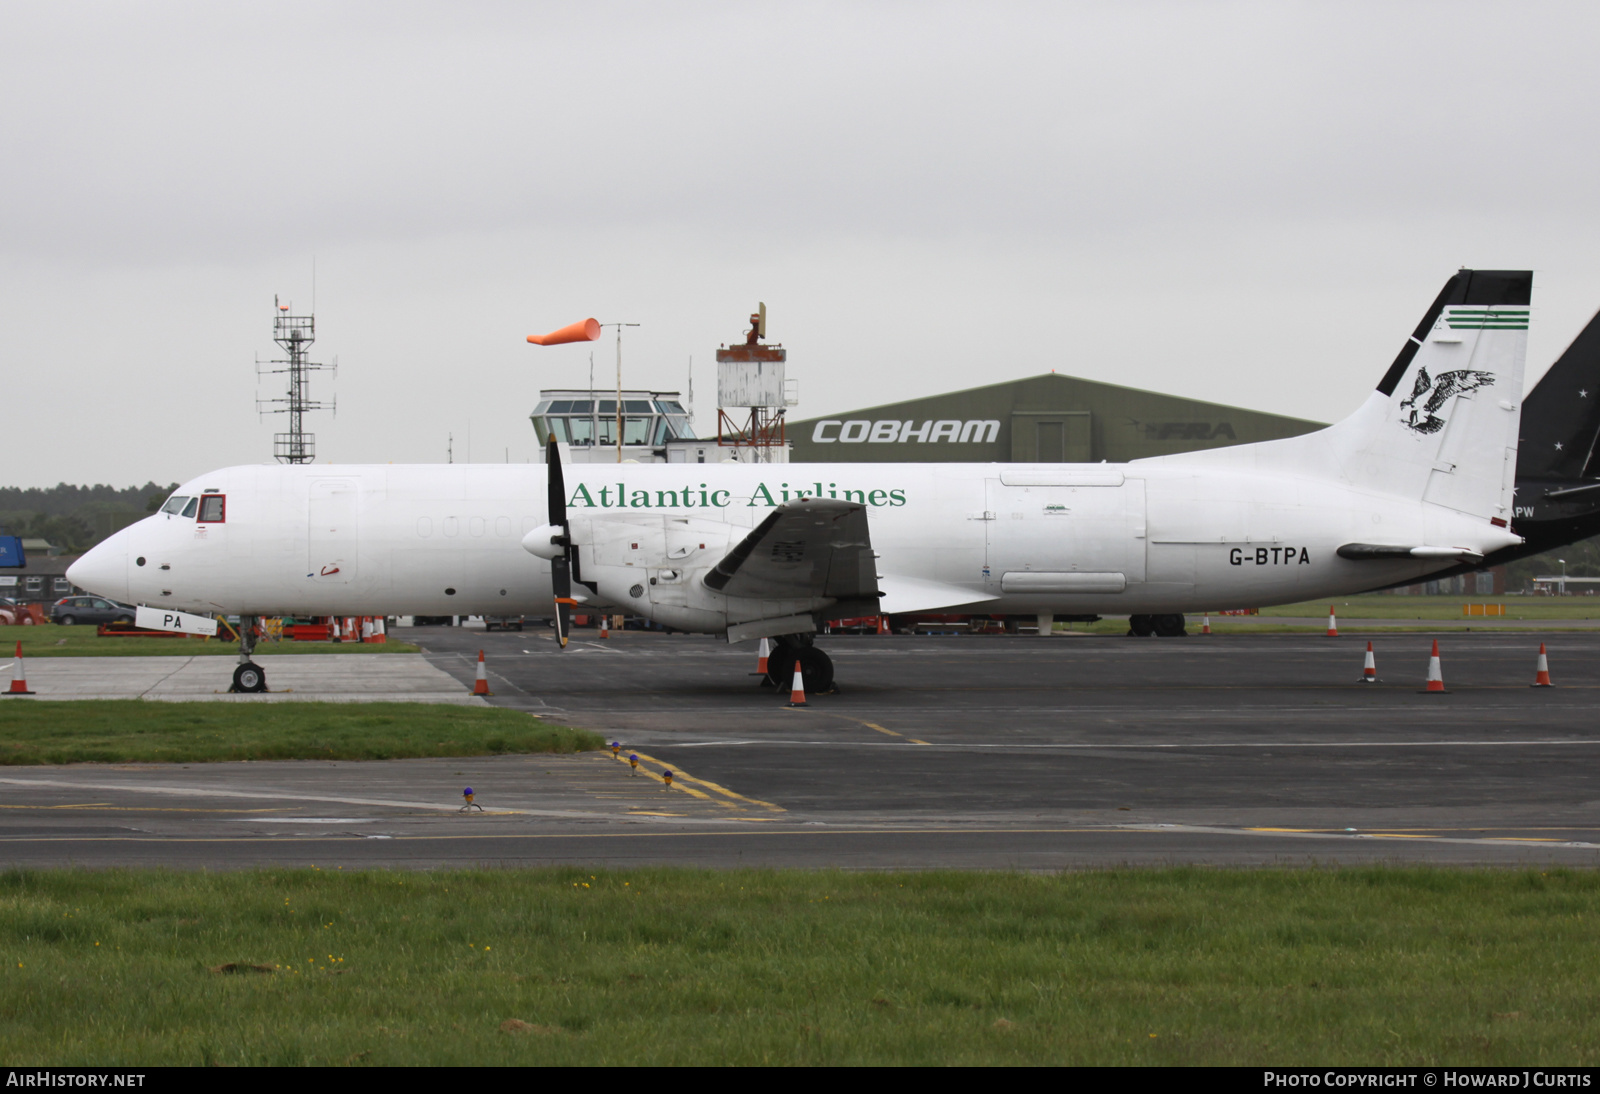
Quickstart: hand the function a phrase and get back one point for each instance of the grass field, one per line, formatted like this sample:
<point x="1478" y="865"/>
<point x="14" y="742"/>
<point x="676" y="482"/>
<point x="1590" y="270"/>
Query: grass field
<point x="54" y="640"/>
<point x="1184" y="966"/>
<point x="135" y="731"/>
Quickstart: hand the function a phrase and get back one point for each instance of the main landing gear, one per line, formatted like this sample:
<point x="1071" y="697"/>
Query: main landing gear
<point x="248" y="677"/>
<point x="816" y="667"/>
<point x="1162" y="626"/>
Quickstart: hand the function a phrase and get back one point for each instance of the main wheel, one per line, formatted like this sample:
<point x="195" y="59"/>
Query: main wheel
<point x="1168" y="626"/>
<point x="1141" y="625"/>
<point x="66" y="621"/>
<point x="248" y="677"/>
<point x="816" y="671"/>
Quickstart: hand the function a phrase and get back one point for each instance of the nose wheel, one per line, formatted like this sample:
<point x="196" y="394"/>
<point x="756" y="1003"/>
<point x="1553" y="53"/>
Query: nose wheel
<point x="248" y="677"/>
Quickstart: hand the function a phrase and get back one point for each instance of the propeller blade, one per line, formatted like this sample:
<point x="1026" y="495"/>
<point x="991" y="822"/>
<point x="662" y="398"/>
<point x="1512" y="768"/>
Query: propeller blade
<point x="561" y="566"/>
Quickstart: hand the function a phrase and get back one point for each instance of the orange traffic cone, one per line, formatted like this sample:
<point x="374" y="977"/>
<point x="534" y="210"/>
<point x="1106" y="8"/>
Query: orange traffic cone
<point x="797" y="692"/>
<point x="333" y="628"/>
<point x="763" y="654"/>
<point x="1205" y="623"/>
<point x="380" y="631"/>
<point x="605" y="626"/>
<point x="883" y="624"/>
<point x="1369" y="669"/>
<point x="1333" y="623"/>
<point x="19" y="682"/>
<point x="480" y="686"/>
<point x="1542" y="678"/>
<point x="1435" y="676"/>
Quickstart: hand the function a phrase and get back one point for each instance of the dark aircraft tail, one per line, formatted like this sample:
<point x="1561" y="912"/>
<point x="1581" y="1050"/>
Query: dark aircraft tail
<point x="1561" y="415"/>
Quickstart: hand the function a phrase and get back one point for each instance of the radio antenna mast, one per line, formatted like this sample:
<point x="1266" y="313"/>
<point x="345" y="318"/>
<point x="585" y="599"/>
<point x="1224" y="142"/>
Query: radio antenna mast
<point x="294" y="333"/>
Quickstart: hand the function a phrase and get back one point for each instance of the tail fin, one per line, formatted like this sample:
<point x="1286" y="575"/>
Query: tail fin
<point x="1561" y="415"/>
<point x="1442" y="424"/>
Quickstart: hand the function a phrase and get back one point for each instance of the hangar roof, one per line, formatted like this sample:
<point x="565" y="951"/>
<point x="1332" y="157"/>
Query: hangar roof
<point x="1050" y="418"/>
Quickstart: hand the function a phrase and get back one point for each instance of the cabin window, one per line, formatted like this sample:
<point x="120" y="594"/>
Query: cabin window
<point x="213" y="509"/>
<point x="175" y="504"/>
<point x="188" y="510"/>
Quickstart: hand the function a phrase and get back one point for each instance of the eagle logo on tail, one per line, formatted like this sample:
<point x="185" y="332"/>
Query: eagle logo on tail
<point x="1458" y="382"/>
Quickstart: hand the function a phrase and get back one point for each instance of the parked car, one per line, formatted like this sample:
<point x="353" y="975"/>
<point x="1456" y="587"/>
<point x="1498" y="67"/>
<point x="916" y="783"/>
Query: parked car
<point x="90" y="609"/>
<point x="502" y="622"/>
<point x="13" y="613"/>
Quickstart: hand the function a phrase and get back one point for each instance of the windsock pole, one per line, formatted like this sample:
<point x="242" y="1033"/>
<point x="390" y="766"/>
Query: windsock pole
<point x="19" y="680"/>
<point x="480" y="686"/>
<point x="1333" y="623"/>
<point x="1542" y="678"/>
<point x="1435" y="675"/>
<point x="797" y="691"/>
<point x="1369" y="669"/>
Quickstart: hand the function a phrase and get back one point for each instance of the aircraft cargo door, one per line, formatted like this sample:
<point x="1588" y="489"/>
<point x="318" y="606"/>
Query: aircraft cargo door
<point x="334" y="541"/>
<point x="1088" y="523"/>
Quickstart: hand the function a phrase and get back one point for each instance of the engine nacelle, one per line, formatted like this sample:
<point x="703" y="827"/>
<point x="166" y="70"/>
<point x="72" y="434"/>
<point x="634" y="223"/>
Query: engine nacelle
<point x="656" y="567"/>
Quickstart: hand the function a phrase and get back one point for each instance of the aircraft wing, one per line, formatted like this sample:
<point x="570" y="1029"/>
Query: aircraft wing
<point x="811" y="547"/>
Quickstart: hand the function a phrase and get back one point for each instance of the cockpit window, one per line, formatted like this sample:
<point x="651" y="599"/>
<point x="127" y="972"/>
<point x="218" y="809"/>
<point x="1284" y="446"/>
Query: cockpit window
<point x="188" y="510"/>
<point x="175" y="503"/>
<point x="213" y="508"/>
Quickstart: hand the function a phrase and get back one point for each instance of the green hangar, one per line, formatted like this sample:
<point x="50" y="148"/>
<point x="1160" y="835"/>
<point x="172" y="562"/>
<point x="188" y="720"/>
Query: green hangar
<point x="1040" y="419"/>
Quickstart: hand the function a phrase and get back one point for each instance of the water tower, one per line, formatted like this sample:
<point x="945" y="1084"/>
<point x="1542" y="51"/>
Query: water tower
<point x="752" y="386"/>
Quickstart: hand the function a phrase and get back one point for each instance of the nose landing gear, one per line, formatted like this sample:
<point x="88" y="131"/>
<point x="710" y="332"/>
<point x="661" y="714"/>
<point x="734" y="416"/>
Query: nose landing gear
<point x="248" y="677"/>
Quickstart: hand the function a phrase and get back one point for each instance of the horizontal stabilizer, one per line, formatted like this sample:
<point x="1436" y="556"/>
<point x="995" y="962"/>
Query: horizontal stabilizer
<point x="1369" y="552"/>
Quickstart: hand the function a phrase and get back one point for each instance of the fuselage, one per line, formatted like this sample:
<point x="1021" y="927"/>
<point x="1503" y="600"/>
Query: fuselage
<point x="1150" y="536"/>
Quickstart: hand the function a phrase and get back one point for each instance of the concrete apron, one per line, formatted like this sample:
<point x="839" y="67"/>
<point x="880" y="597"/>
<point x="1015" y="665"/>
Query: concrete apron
<point x="330" y="678"/>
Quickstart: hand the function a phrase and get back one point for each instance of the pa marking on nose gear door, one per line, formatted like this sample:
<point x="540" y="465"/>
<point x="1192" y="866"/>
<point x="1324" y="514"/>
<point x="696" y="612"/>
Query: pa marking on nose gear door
<point x="1269" y="556"/>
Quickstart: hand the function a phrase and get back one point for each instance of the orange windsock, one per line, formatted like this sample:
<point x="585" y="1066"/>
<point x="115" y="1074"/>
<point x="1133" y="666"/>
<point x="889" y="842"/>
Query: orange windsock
<point x="584" y="330"/>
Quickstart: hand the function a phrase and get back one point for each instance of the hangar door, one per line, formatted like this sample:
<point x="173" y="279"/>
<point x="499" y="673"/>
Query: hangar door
<point x="1064" y="533"/>
<point x="1051" y="436"/>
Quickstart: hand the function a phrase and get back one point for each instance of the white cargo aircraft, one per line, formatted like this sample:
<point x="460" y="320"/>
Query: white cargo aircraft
<point x="1418" y="479"/>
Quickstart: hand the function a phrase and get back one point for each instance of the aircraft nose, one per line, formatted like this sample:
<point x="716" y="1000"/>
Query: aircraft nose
<point x="104" y="570"/>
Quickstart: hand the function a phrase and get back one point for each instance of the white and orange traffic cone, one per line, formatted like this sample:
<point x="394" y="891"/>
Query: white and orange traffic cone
<point x="1333" y="623"/>
<point x="380" y="631"/>
<point x="1205" y="623"/>
<point x="797" y="691"/>
<point x="763" y="654"/>
<point x="1435" y="675"/>
<point x="480" y="686"/>
<point x="883" y="624"/>
<point x="19" y="680"/>
<point x="333" y="628"/>
<point x="1369" y="668"/>
<point x="605" y="626"/>
<point x="1542" y="678"/>
<point x="366" y="629"/>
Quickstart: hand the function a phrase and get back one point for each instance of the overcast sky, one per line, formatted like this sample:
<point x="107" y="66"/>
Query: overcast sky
<point x="1248" y="203"/>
